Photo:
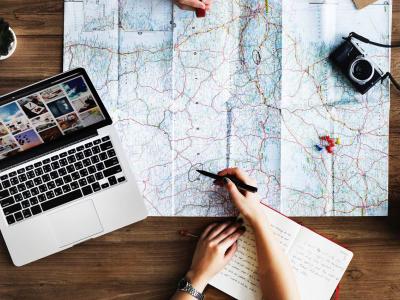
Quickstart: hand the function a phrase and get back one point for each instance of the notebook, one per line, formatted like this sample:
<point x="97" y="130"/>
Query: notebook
<point x="318" y="263"/>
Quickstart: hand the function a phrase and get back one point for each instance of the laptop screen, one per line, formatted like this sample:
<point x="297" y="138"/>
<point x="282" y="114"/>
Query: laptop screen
<point x="47" y="115"/>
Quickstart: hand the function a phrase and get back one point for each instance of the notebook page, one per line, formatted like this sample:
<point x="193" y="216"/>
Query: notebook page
<point x="239" y="278"/>
<point x="318" y="264"/>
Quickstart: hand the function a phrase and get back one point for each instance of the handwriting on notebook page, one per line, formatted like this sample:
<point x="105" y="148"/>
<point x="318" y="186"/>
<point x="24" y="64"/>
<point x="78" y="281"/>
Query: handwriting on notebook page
<point x="283" y="237"/>
<point x="317" y="262"/>
<point x="309" y="259"/>
<point x="243" y="268"/>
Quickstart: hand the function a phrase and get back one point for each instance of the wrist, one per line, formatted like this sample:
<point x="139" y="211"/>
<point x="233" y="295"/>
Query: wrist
<point x="258" y="220"/>
<point x="260" y="223"/>
<point x="198" y="281"/>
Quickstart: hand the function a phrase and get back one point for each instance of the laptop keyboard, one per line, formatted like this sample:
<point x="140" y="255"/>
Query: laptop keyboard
<point x="59" y="179"/>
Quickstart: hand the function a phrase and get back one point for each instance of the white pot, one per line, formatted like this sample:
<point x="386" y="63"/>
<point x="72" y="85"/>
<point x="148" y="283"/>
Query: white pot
<point x="13" y="46"/>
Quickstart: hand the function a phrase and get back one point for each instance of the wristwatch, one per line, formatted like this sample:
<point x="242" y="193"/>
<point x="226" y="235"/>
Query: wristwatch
<point x="185" y="286"/>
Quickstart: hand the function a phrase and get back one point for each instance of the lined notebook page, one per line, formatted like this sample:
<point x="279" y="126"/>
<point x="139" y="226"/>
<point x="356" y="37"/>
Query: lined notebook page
<point x="240" y="277"/>
<point x="318" y="264"/>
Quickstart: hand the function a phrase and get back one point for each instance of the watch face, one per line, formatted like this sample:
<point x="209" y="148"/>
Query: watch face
<point x="182" y="284"/>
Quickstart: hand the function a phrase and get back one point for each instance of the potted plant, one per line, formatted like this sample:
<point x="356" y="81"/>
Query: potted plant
<point x="8" y="40"/>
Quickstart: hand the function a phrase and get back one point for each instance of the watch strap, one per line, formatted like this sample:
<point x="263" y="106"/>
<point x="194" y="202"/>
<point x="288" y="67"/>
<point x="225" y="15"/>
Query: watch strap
<point x="185" y="286"/>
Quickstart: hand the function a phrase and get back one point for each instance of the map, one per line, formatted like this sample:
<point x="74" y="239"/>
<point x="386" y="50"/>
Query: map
<point x="249" y="86"/>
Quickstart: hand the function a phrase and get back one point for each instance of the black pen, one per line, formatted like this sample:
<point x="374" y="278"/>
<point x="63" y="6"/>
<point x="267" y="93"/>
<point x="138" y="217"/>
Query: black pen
<point x="239" y="184"/>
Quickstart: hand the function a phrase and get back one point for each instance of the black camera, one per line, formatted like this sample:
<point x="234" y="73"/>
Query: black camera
<point x="356" y="66"/>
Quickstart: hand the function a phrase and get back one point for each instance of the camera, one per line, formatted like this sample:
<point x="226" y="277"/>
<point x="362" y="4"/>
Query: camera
<point x="351" y="59"/>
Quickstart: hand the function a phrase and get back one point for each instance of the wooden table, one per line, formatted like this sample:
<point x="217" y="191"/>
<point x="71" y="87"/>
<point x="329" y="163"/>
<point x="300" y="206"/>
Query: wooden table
<point x="146" y="260"/>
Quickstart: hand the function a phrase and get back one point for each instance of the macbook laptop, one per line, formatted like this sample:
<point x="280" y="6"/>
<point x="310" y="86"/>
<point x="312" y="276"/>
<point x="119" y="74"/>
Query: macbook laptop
<point x="64" y="177"/>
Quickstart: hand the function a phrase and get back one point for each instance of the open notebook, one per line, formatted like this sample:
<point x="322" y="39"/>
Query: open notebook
<point x="318" y="263"/>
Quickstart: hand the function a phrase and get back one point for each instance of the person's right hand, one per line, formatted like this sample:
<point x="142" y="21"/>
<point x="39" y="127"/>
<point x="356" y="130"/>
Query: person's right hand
<point x="248" y="203"/>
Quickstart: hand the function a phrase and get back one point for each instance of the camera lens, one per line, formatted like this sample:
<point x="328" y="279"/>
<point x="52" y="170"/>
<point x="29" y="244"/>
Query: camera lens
<point x="361" y="70"/>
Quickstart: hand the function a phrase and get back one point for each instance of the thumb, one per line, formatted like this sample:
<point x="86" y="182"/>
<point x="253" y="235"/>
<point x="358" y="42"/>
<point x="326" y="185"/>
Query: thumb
<point x="233" y="191"/>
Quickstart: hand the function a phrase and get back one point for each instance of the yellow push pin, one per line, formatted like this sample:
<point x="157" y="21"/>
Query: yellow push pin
<point x="338" y="141"/>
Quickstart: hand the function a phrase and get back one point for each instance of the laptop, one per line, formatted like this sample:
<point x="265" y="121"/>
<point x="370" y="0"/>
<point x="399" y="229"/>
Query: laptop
<point x="64" y="177"/>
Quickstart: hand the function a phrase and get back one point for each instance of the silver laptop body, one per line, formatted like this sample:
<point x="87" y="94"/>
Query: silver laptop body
<point x="64" y="177"/>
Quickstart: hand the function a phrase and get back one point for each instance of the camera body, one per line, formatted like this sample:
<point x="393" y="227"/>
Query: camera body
<point x="350" y="58"/>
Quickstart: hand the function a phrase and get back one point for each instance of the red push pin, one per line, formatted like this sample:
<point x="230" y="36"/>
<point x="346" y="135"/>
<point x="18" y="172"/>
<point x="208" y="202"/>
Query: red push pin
<point x="328" y="143"/>
<point x="331" y="142"/>
<point x="329" y="149"/>
<point x="324" y="138"/>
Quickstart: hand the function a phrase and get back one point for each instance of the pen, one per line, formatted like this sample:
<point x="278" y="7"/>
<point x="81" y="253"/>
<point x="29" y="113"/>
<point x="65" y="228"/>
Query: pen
<point x="239" y="184"/>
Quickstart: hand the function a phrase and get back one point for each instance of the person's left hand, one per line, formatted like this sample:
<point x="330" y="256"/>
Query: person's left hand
<point x="193" y="4"/>
<point x="215" y="248"/>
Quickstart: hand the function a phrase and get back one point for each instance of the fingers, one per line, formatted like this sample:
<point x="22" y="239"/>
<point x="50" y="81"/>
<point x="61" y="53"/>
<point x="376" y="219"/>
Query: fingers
<point x="228" y="231"/>
<point x="184" y="7"/>
<point x="224" y="235"/>
<point x="190" y="4"/>
<point x="236" y="195"/>
<point x="208" y="230"/>
<point x="239" y="174"/>
<point x="217" y="230"/>
<point x="196" y="4"/>
<point x="208" y="4"/>
<point x="231" y="239"/>
<point x="231" y="251"/>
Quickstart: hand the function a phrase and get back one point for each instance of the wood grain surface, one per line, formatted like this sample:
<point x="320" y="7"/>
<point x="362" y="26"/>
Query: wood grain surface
<point x="146" y="260"/>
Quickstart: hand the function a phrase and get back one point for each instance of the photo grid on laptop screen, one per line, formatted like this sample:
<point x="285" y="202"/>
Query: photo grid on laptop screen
<point x="46" y="116"/>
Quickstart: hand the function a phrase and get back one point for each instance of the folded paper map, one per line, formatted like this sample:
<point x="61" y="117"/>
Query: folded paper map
<point x="245" y="86"/>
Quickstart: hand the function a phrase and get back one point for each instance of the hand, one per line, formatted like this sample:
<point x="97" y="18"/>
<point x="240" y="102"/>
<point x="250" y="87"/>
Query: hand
<point x="248" y="203"/>
<point x="193" y="4"/>
<point x="215" y="248"/>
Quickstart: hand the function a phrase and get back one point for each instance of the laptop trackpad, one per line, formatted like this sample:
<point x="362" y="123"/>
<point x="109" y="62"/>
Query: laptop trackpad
<point x="75" y="223"/>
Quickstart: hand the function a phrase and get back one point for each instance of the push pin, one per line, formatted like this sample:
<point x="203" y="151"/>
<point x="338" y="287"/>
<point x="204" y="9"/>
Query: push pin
<point x="324" y="138"/>
<point x="184" y="232"/>
<point x="331" y="142"/>
<point x="329" y="149"/>
<point x="327" y="143"/>
<point x="327" y="140"/>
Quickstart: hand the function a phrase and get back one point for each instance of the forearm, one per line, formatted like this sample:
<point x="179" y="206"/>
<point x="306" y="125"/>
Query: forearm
<point x="276" y="275"/>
